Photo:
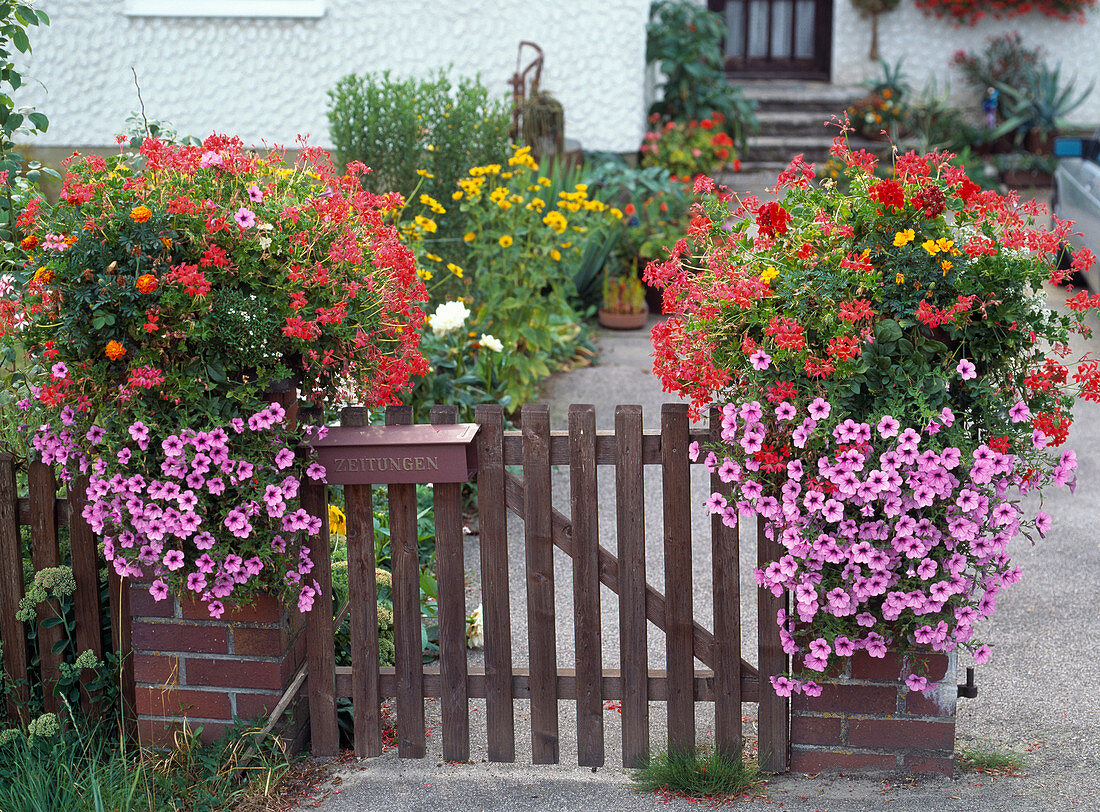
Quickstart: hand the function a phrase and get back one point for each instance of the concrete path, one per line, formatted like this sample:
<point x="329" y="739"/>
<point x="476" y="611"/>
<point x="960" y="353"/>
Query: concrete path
<point x="1038" y="696"/>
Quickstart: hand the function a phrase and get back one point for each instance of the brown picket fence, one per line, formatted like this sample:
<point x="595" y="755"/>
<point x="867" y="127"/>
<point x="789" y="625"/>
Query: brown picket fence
<point x="44" y="512"/>
<point x="725" y="680"/>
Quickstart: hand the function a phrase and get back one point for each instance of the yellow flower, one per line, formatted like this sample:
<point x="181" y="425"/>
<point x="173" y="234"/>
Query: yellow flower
<point x="536" y="204"/>
<point x="616" y="213"/>
<point x="455" y="269"/>
<point x="506" y="175"/>
<point x="947" y="266"/>
<point x="899" y="279"/>
<point x="424" y="173"/>
<point x="946" y="246"/>
<point x="337" y="521"/>
<point x="769" y="274"/>
<point x="424" y="274"/>
<point x="556" y="220"/>
<point x="469" y="236"/>
<point x="456" y="195"/>
<point x="114" y="350"/>
<point x="931" y="246"/>
<point x="425" y="224"/>
<point x="432" y="204"/>
<point x="544" y="181"/>
<point x="433" y="257"/>
<point x="505" y="241"/>
<point x="902" y="238"/>
<point x="140" y="214"/>
<point x="555" y="255"/>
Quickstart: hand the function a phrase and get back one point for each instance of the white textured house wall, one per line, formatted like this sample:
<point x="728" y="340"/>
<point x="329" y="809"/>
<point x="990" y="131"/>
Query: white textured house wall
<point x="927" y="44"/>
<point x="266" y="78"/>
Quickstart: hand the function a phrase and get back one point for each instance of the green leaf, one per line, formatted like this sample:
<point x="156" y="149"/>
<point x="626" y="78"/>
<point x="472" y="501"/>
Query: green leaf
<point x="887" y="330"/>
<point x="51" y="622"/>
<point x="20" y="40"/>
<point x="39" y="120"/>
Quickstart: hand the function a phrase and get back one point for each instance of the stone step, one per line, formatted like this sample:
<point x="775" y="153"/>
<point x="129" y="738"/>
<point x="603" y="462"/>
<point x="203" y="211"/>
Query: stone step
<point x="796" y="123"/>
<point x="788" y="95"/>
<point x="775" y="148"/>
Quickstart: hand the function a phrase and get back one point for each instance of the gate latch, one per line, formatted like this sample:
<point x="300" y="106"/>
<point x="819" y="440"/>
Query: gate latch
<point x="969" y="690"/>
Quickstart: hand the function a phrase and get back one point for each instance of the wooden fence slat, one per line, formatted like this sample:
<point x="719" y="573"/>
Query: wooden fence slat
<point x="605" y="447"/>
<point x="680" y="659"/>
<point x="586" y="585"/>
<point x="633" y="636"/>
<point x="493" y="540"/>
<point x="362" y="592"/>
<point x="320" y="653"/>
<point x="538" y="534"/>
<point x="726" y="560"/>
<point x="85" y="558"/>
<point x="702" y="639"/>
<point x="12" y="632"/>
<point x="454" y="705"/>
<point x="405" y="562"/>
<point x="42" y="486"/>
<point x="774" y="710"/>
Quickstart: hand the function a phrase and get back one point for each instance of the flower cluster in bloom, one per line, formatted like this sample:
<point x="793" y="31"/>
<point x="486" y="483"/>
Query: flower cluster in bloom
<point x="896" y="383"/>
<point x="969" y="12"/>
<point x="448" y="316"/>
<point x="689" y="148"/>
<point x="215" y="514"/>
<point x="890" y="535"/>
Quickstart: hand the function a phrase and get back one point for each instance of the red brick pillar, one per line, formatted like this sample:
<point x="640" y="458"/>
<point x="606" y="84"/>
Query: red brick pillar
<point x="191" y="668"/>
<point x="867" y="719"/>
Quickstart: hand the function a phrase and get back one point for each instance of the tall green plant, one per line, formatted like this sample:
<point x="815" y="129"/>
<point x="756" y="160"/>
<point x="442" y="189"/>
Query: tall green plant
<point x="416" y="134"/>
<point x="1041" y="103"/>
<point x="684" y="39"/>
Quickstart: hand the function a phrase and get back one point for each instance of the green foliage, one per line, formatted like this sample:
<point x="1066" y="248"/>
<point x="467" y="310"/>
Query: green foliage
<point x="1040" y="104"/>
<point x="416" y="134"/>
<point x="16" y="187"/>
<point x="465" y="370"/>
<point x="1005" y="60"/>
<point x="985" y="759"/>
<point x="707" y="772"/>
<point x="684" y="39"/>
<point x="689" y="148"/>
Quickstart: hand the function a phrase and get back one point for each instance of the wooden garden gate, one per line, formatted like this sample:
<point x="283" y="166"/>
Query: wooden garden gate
<point x="727" y="680"/>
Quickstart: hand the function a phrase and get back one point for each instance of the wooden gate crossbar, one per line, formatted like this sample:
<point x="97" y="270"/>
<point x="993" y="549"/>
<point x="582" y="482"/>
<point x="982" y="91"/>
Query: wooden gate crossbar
<point x="728" y="682"/>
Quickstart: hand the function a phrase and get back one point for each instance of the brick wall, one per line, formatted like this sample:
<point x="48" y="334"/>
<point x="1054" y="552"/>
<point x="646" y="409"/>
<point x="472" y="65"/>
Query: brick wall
<point x="867" y="719"/>
<point x="190" y="668"/>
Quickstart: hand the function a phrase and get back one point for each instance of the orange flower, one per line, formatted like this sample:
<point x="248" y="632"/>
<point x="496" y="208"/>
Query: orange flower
<point x="146" y="283"/>
<point x="28" y="243"/>
<point x="114" y="350"/>
<point x="140" y="214"/>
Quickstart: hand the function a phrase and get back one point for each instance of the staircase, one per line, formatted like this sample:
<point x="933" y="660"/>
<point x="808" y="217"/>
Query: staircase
<point x="792" y="118"/>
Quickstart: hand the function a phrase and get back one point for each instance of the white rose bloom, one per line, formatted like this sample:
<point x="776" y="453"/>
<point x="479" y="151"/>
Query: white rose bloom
<point x="447" y="317"/>
<point x="491" y="342"/>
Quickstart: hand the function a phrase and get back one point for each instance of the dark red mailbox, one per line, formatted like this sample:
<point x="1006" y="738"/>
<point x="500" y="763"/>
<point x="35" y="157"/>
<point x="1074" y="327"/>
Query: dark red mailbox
<point x="369" y="455"/>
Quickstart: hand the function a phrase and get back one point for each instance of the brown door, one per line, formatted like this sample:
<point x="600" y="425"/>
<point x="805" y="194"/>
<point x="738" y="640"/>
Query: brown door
<point x="789" y="39"/>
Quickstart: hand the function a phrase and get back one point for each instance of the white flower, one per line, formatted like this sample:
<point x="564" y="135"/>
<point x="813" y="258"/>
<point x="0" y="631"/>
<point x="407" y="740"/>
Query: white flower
<point x="448" y="317"/>
<point x="491" y="342"/>
<point x="475" y="629"/>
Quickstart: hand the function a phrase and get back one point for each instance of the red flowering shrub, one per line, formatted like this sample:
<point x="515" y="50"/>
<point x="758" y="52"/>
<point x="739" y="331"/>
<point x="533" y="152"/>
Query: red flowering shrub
<point x="164" y="293"/>
<point x="968" y="12"/>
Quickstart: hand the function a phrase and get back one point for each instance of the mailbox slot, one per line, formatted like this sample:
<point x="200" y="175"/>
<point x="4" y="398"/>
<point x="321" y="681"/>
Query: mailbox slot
<point x="371" y="455"/>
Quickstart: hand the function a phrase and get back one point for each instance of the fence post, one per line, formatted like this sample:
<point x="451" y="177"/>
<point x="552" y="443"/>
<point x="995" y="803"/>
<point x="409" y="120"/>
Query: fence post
<point x="454" y="704"/>
<point x="45" y="553"/>
<point x="85" y="557"/>
<point x="362" y="592"/>
<point x="321" y="655"/>
<point x="727" y="619"/>
<point x="774" y="709"/>
<point x="499" y="711"/>
<point x="12" y="631"/>
<point x="405" y="562"/>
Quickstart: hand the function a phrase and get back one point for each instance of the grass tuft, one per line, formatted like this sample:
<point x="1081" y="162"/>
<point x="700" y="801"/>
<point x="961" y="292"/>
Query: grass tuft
<point x="707" y="773"/>
<point x="983" y="759"/>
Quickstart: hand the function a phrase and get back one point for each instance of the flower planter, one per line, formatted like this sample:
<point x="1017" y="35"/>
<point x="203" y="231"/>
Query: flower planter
<point x="1027" y="179"/>
<point x="622" y="321"/>
<point x="866" y="719"/>
<point x="191" y="670"/>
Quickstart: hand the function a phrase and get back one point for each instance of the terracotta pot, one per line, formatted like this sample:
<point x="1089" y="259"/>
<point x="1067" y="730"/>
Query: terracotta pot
<point x="622" y="321"/>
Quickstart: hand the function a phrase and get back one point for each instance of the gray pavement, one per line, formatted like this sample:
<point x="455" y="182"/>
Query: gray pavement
<point x="1038" y="696"/>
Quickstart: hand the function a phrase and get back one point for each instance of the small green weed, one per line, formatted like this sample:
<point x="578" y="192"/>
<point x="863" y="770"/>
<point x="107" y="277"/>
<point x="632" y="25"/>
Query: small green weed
<point x="707" y="773"/>
<point x="984" y="759"/>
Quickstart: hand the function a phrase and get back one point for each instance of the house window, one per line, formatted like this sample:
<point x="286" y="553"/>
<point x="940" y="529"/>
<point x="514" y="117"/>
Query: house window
<point x="225" y="8"/>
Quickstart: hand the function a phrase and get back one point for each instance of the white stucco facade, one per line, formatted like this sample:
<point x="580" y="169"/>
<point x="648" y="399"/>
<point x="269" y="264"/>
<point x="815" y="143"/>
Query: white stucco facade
<point x="265" y="77"/>
<point x="927" y="44"/>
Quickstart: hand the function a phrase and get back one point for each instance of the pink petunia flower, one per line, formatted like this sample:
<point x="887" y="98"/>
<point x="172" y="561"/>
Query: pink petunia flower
<point x="245" y="217"/>
<point x="966" y="369"/>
